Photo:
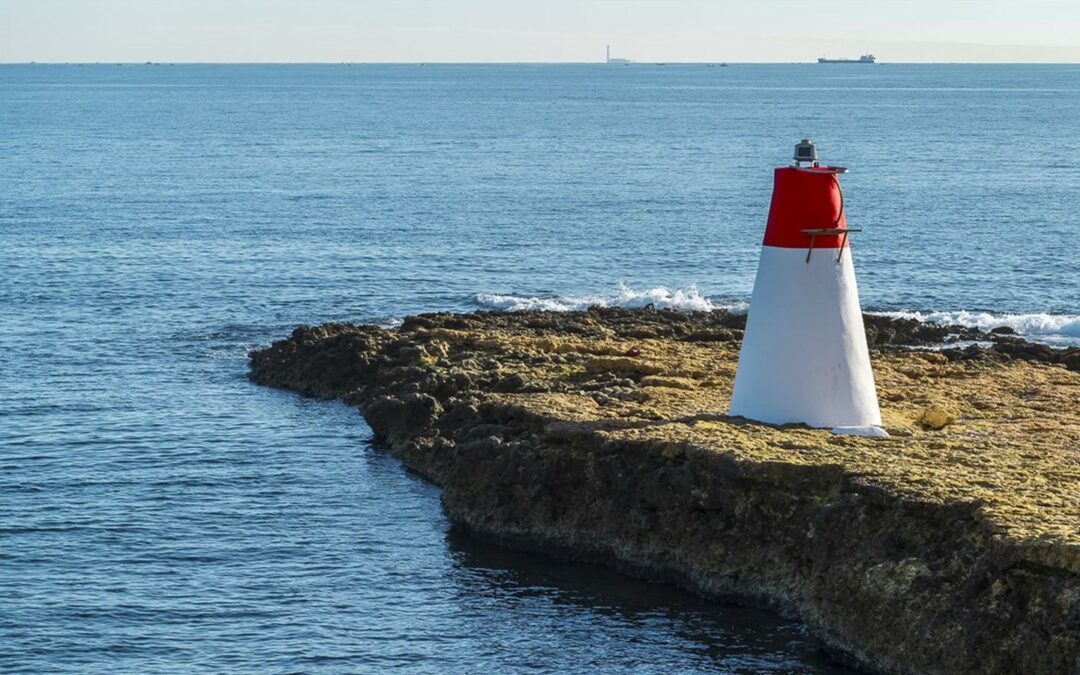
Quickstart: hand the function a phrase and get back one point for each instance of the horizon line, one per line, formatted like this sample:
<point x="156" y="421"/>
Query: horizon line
<point x="518" y="63"/>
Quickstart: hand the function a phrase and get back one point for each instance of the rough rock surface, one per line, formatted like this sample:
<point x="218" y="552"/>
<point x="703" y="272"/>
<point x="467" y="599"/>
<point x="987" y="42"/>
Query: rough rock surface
<point x="951" y="547"/>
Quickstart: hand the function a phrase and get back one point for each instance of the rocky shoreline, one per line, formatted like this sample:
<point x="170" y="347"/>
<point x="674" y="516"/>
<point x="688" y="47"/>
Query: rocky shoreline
<point x="953" y="546"/>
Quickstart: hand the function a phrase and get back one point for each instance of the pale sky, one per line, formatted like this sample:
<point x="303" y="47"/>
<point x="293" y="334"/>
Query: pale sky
<point x="537" y="30"/>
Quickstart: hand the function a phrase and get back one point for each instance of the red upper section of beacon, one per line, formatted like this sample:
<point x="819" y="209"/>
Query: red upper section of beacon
<point x="804" y="199"/>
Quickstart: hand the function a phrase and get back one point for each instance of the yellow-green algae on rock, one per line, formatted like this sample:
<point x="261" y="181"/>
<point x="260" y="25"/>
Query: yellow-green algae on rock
<point x="1015" y="447"/>
<point x="952" y="546"/>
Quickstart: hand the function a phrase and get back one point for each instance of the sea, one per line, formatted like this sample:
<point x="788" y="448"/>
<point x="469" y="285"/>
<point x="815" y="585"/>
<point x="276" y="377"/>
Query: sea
<point x="160" y="513"/>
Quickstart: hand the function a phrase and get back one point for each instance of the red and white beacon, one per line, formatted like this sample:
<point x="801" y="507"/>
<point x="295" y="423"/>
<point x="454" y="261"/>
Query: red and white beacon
<point x="804" y="357"/>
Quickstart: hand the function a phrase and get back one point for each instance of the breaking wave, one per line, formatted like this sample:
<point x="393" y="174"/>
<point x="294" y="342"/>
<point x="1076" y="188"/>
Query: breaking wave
<point x="1054" y="329"/>
<point x="1049" y="328"/>
<point x="689" y="298"/>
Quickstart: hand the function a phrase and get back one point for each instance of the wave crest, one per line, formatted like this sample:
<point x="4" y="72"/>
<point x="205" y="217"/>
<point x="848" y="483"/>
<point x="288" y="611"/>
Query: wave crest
<point x="689" y="298"/>
<point x="1053" y="329"/>
<point x="1063" y="328"/>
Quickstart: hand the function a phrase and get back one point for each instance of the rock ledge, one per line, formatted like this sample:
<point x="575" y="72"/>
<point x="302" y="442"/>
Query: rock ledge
<point x="953" y="546"/>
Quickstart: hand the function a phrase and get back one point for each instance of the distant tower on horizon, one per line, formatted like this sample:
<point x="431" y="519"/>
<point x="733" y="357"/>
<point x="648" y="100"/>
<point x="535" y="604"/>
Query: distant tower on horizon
<point x="617" y="62"/>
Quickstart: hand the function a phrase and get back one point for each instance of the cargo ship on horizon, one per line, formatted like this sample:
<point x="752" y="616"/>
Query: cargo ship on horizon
<point x="865" y="58"/>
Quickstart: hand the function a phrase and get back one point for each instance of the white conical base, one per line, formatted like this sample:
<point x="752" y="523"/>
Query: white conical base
<point x="804" y="356"/>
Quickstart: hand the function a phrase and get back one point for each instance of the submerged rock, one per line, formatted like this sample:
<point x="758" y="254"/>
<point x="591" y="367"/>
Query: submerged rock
<point x="951" y="546"/>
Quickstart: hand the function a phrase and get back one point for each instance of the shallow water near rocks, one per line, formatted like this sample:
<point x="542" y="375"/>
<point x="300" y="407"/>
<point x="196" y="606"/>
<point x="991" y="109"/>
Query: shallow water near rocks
<point x="159" y="512"/>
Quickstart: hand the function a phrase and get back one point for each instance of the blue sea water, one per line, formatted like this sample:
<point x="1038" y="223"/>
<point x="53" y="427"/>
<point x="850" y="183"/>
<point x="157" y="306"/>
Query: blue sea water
<point x="160" y="513"/>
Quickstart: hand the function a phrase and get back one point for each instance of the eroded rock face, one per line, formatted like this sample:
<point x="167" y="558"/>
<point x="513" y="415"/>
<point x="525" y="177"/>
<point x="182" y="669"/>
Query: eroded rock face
<point x="601" y="436"/>
<point x="398" y="419"/>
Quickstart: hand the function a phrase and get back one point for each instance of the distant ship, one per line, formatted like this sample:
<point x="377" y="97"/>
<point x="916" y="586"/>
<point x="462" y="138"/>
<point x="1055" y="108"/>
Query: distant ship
<point x="615" y="62"/>
<point x="865" y="58"/>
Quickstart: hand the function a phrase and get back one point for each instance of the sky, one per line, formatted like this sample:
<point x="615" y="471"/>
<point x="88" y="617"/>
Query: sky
<point x="537" y="30"/>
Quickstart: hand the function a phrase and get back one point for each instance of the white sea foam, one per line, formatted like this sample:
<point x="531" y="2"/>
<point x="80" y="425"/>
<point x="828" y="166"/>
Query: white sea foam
<point x="1050" y="328"/>
<point x="689" y="298"/>
<point x="1054" y="329"/>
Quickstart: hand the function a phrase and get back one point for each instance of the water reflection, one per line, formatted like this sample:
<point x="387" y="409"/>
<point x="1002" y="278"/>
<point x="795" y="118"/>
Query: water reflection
<point x="575" y="615"/>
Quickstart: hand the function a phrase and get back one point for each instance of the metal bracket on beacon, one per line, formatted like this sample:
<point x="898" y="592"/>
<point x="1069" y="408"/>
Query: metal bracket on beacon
<point x="806" y="153"/>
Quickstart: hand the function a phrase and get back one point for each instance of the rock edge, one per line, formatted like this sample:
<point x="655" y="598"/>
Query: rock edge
<point x="892" y="583"/>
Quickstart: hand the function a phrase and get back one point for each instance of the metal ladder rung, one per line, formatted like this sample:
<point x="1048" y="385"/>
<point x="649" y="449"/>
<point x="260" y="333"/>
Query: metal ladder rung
<point x="830" y="231"/>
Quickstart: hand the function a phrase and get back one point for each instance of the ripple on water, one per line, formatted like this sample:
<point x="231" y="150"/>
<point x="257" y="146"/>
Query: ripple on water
<point x="158" y="512"/>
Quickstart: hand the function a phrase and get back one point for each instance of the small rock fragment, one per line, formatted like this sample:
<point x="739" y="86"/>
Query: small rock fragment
<point x="936" y="417"/>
